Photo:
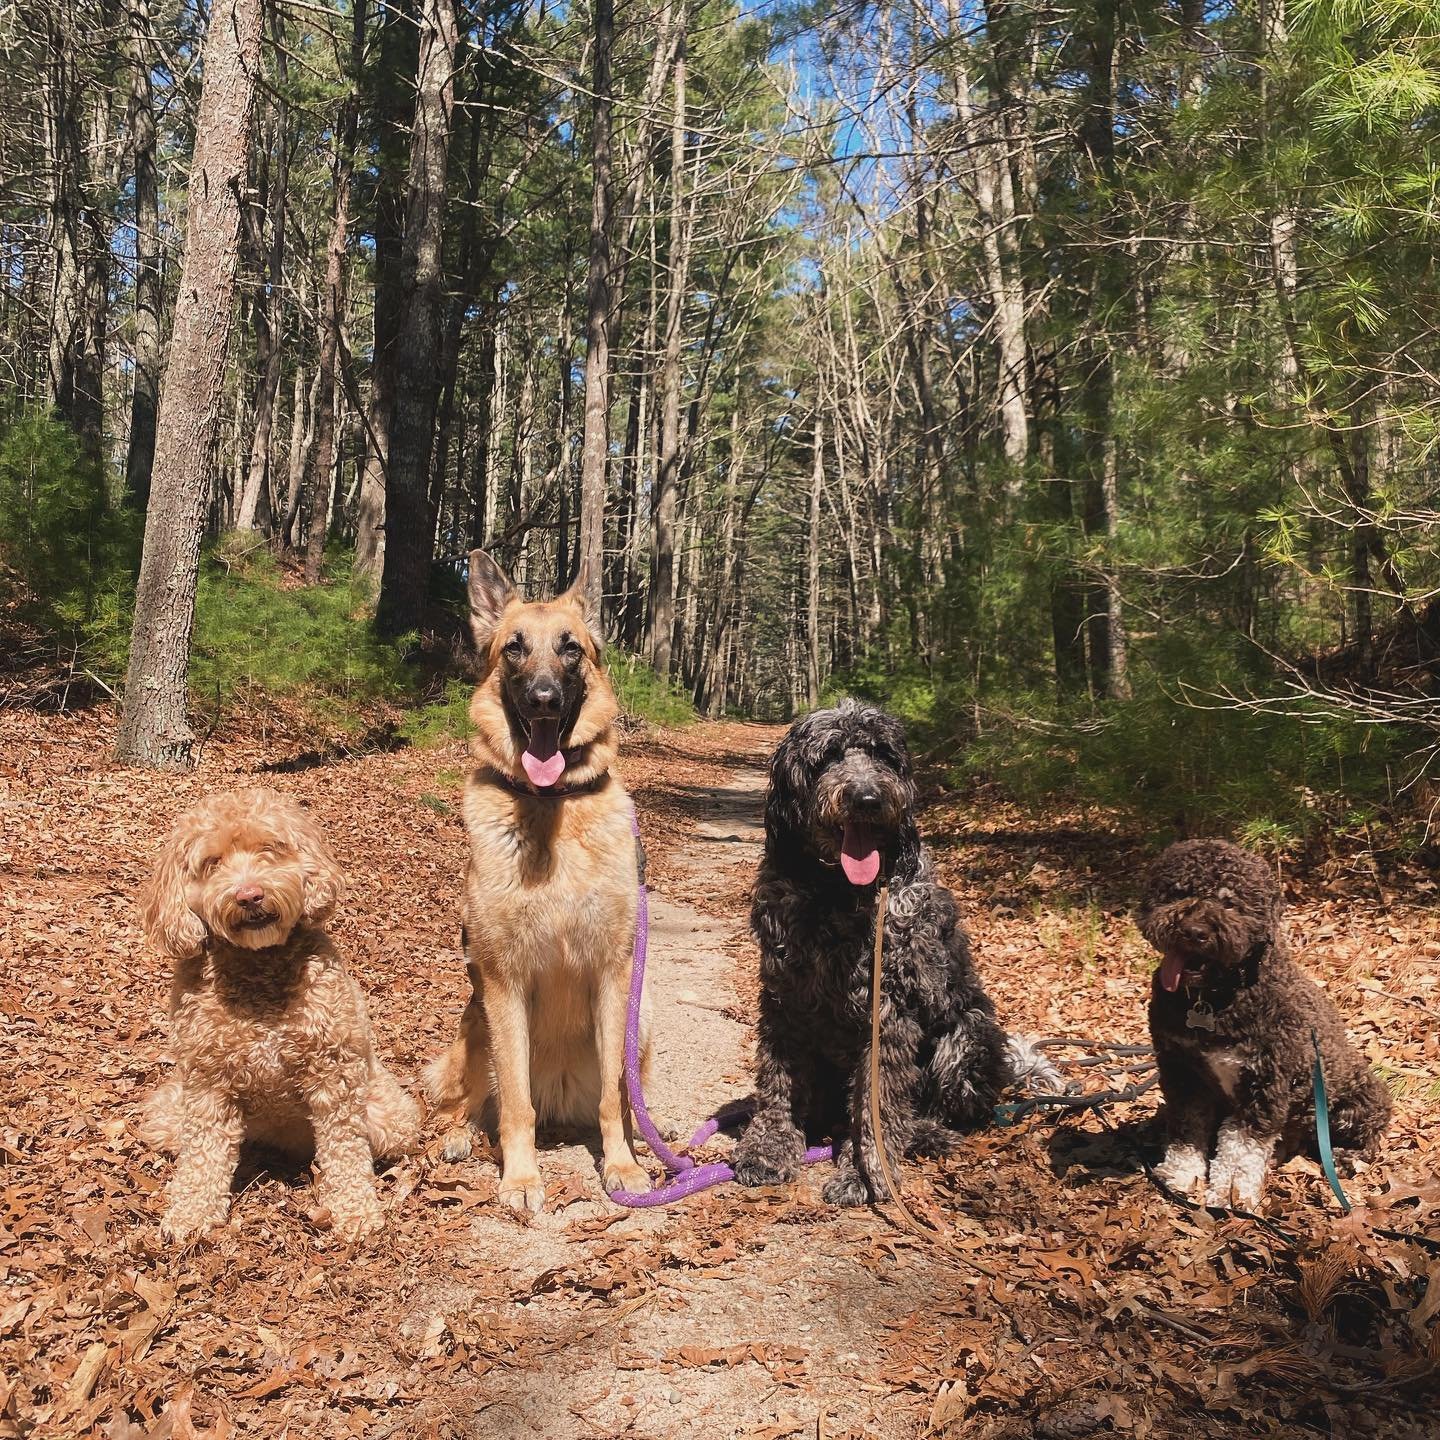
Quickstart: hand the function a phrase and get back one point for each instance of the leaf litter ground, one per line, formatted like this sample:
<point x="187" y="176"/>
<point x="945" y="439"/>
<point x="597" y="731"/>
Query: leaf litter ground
<point x="1070" y="1296"/>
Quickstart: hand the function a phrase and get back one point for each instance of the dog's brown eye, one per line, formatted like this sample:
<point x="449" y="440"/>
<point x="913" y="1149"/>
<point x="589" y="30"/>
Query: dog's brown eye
<point x="514" y="648"/>
<point x="208" y="864"/>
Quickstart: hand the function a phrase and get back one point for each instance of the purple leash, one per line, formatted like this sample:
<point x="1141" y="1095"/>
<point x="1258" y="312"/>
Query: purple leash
<point x="685" y="1177"/>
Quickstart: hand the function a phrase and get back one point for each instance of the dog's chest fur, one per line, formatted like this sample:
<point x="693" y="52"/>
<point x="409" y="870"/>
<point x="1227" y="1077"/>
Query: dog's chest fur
<point x="550" y="879"/>
<point x="252" y="1022"/>
<point x="823" y="966"/>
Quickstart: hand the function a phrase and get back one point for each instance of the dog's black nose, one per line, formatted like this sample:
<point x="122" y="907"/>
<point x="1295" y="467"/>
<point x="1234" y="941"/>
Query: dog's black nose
<point x="544" y="697"/>
<point x="1196" y="931"/>
<point x="865" y="800"/>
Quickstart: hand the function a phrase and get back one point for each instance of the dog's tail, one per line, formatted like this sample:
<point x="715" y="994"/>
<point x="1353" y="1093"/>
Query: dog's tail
<point x="1029" y="1067"/>
<point x="160" y="1119"/>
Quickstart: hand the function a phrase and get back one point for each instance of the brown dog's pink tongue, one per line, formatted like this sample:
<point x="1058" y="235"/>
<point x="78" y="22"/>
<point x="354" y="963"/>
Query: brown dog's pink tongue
<point x="1172" y="971"/>
<point x="544" y="760"/>
<point x="859" y="855"/>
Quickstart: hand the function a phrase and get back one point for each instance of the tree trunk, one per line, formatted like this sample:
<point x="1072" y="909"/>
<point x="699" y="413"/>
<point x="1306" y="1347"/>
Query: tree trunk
<point x="149" y="296"/>
<point x="154" y="728"/>
<point x="408" y="541"/>
<point x="332" y="309"/>
<point x="269" y="312"/>
<point x="398" y="59"/>
<point x="812" y="563"/>
<point x="667" y="477"/>
<point x="596" y="447"/>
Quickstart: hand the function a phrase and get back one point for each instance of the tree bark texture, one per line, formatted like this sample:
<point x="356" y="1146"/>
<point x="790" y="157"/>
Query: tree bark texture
<point x="154" y="726"/>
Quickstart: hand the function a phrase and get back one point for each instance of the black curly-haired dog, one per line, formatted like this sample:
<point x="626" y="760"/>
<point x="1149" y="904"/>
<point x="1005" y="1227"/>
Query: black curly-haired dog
<point x="1231" y="1017"/>
<point x="839" y="818"/>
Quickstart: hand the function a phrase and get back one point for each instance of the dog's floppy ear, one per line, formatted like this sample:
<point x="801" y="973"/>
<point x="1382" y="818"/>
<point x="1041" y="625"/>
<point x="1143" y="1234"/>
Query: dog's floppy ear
<point x="789" y="780"/>
<point x="170" y="925"/>
<point x="490" y="592"/>
<point x="323" y="881"/>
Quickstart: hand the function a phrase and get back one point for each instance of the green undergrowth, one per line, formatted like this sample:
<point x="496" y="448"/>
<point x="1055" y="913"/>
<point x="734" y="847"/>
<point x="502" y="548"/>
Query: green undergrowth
<point x="1272" y="782"/>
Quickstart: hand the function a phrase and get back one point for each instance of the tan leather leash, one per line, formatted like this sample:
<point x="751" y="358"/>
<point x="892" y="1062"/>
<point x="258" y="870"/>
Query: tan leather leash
<point x="924" y="1232"/>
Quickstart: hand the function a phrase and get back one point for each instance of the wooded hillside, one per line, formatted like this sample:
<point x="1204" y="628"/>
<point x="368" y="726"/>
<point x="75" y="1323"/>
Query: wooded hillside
<point x="1028" y="366"/>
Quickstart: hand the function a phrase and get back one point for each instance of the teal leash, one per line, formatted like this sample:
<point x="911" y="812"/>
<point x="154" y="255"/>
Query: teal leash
<point x="1322" y="1128"/>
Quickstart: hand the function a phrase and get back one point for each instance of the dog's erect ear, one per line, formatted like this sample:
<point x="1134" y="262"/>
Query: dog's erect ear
<point x="323" y="881"/>
<point x="490" y="592"/>
<point x="170" y="925"/>
<point x="576" y="596"/>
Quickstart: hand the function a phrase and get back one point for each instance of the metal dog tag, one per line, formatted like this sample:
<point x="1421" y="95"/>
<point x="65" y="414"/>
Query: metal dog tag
<point x="1200" y="1017"/>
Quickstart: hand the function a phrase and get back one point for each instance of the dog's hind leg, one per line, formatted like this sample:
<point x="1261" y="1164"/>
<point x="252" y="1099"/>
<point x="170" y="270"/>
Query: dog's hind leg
<point x="458" y="1079"/>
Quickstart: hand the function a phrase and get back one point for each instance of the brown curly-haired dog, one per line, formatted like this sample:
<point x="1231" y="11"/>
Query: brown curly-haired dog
<point x="271" y="1038"/>
<point x="1231" y="1018"/>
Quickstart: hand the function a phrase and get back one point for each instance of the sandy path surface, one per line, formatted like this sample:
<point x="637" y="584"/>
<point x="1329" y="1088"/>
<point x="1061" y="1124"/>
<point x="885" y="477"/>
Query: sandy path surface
<point x="772" y="1307"/>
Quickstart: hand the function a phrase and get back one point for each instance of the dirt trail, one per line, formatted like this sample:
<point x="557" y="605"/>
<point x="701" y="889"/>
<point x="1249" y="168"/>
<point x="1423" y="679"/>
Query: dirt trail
<point x="792" y="1311"/>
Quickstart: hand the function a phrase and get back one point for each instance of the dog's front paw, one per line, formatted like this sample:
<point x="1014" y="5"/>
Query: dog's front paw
<point x="1182" y="1169"/>
<point x="766" y="1159"/>
<point x="758" y="1168"/>
<point x="846" y="1189"/>
<point x="523" y="1190"/>
<point x="1235" y="1192"/>
<point x="354" y="1224"/>
<point x="186" y="1220"/>
<point x="1237" y="1173"/>
<point x="625" y="1174"/>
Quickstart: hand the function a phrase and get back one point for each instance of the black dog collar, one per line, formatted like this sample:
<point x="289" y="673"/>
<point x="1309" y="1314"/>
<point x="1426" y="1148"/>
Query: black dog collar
<point x="555" y="792"/>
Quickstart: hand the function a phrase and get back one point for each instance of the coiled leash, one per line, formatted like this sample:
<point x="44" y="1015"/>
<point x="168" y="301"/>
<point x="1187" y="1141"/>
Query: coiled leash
<point x="684" y="1176"/>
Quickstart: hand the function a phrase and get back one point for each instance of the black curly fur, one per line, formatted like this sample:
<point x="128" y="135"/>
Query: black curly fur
<point x="1218" y="910"/>
<point x="943" y="1059"/>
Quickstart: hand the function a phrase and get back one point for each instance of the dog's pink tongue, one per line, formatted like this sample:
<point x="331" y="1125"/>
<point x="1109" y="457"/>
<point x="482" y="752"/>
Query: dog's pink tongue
<point x="859" y="856"/>
<point x="1172" y="971"/>
<point x="544" y="760"/>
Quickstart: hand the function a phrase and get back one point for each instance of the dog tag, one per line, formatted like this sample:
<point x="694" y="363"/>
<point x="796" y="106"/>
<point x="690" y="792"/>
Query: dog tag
<point x="1200" y="1017"/>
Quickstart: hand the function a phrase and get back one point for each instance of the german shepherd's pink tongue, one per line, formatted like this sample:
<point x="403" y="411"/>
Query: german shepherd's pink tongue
<point x="544" y="760"/>
<point x="1172" y="971"/>
<point x="859" y="855"/>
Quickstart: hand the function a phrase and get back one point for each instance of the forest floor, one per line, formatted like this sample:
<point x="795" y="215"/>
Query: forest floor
<point x="1089" y="1302"/>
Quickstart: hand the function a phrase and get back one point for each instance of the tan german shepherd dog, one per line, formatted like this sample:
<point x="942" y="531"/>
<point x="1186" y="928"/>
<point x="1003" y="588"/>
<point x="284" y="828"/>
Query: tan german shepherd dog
<point x="550" y="893"/>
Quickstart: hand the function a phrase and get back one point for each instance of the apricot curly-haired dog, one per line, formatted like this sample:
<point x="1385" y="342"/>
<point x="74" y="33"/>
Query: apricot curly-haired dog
<point x="1231" y="1018"/>
<point x="271" y="1038"/>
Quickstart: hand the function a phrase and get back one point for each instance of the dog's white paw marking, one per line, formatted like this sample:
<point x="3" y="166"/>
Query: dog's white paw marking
<point x="1182" y="1168"/>
<point x="1237" y="1173"/>
<point x="523" y="1192"/>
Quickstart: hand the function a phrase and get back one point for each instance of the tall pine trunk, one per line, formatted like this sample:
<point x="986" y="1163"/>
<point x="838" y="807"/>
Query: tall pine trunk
<point x="145" y="397"/>
<point x="408" y="540"/>
<point x="154" y="726"/>
<point x="332" y="310"/>
<point x="667" y="465"/>
<point x="596" y="446"/>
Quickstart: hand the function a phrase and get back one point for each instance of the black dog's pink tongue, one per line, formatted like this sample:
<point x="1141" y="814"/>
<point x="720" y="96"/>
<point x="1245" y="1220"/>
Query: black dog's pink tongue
<point x="1172" y="971"/>
<point x="544" y="761"/>
<point x="859" y="855"/>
